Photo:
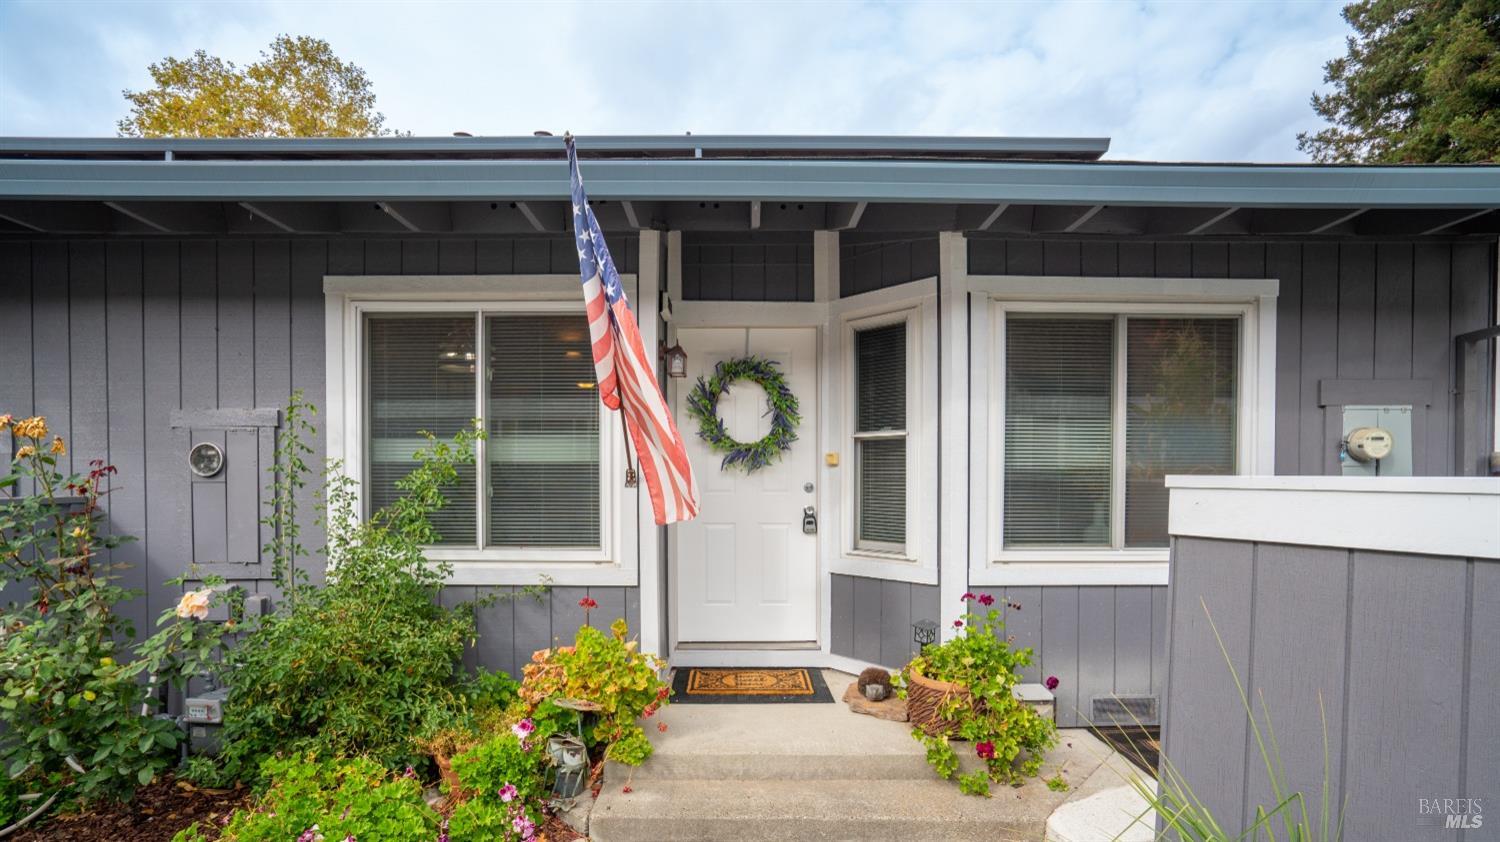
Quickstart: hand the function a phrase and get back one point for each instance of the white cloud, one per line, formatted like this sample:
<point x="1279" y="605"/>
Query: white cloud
<point x="1191" y="81"/>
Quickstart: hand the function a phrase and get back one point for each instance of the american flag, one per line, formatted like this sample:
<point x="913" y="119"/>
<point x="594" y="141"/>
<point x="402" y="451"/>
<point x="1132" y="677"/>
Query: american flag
<point x="626" y="377"/>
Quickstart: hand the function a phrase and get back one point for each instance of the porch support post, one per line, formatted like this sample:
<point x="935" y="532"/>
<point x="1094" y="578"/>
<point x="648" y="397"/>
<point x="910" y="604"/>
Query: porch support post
<point x="649" y="281"/>
<point x="953" y="427"/>
<point x="826" y="289"/>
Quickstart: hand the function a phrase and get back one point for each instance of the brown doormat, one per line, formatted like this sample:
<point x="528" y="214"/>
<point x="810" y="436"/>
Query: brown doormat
<point x="718" y="686"/>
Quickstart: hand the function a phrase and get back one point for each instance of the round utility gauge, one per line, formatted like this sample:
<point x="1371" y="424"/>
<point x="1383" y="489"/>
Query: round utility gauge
<point x="206" y="459"/>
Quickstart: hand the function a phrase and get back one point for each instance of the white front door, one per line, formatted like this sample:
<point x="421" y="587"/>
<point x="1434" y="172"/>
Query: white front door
<point x="745" y="570"/>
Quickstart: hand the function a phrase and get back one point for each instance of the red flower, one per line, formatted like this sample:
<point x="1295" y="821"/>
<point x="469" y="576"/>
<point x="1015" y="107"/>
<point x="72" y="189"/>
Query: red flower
<point x="587" y="602"/>
<point x="985" y="750"/>
<point x="986" y="600"/>
<point x="1051" y="682"/>
<point x="627" y="790"/>
<point x="958" y="624"/>
<point x="662" y="727"/>
<point x="966" y="597"/>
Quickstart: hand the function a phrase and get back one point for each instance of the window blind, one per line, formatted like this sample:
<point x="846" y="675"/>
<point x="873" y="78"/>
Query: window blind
<point x="1179" y="415"/>
<point x="543" y="420"/>
<point x="880" y="408"/>
<point x="420" y="376"/>
<point x="1058" y="439"/>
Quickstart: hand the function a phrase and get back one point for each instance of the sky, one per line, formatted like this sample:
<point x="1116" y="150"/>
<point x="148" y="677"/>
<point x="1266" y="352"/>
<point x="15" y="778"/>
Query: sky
<point x="1188" y="81"/>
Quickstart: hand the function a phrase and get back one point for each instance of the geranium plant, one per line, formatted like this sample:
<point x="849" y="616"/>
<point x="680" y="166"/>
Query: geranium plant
<point x="1008" y="737"/>
<point x="605" y="669"/>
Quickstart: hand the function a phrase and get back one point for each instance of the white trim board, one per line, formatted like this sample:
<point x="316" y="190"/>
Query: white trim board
<point x="1446" y="516"/>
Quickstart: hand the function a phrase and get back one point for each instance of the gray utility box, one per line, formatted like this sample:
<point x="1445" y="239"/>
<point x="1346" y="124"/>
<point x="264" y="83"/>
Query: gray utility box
<point x="203" y="716"/>
<point x="1396" y="420"/>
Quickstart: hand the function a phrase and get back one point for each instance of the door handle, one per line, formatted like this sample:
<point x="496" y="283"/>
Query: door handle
<point x="810" y="520"/>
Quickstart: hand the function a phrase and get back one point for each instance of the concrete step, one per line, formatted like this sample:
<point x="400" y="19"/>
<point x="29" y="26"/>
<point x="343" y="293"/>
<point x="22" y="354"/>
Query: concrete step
<point x="668" y="810"/>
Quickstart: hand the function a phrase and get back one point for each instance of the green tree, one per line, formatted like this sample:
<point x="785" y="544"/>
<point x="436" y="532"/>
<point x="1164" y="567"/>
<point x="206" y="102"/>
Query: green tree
<point x="298" y="89"/>
<point x="1420" y="83"/>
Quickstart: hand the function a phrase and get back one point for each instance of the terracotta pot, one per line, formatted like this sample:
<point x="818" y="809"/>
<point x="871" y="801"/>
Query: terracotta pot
<point x="445" y="771"/>
<point x="925" y="696"/>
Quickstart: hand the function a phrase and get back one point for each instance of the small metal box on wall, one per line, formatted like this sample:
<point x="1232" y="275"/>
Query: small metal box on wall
<point x="1389" y="431"/>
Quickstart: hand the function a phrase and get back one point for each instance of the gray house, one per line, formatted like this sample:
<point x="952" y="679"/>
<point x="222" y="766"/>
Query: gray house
<point x="1000" y="346"/>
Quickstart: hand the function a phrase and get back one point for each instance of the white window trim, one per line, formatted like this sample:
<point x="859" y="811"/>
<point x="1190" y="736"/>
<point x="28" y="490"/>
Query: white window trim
<point x="1253" y="301"/>
<point x="349" y="298"/>
<point x="915" y="304"/>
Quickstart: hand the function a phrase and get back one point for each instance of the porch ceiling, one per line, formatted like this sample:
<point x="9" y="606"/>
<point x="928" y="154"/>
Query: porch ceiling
<point x="444" y="218"/>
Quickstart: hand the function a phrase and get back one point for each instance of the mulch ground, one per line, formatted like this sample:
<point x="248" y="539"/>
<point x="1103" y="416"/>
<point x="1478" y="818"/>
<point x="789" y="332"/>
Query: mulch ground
<point x="155" y="814"/>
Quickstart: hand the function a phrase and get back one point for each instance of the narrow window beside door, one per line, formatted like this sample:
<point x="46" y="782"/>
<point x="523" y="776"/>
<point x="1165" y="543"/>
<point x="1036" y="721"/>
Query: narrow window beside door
<point x="880" y="438"/>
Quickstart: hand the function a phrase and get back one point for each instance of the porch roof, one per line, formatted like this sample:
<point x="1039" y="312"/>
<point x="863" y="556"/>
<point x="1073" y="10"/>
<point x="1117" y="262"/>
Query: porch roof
<point x="517" y="185"/>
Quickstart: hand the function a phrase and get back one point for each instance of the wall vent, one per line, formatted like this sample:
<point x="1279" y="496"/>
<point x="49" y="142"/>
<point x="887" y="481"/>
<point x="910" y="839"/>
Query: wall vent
<point x="1125" y="711"/>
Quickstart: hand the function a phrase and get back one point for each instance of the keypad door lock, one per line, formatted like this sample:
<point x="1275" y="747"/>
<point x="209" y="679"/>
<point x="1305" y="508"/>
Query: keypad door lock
<point x="810" y="521"/>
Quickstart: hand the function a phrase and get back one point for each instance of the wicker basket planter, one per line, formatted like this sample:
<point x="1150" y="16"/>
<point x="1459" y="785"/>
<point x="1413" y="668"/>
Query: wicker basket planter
<point x="924" y="698"/>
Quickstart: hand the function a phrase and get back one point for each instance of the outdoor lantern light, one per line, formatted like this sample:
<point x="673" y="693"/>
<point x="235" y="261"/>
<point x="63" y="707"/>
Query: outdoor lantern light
<point x="676" y="360"/>
<point x="571" y="755"/>
<point x="924" y="632"/>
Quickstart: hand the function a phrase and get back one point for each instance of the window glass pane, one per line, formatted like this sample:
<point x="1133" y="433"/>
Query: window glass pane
<point x="882" y="491"/>
<point x="880" y="378"/>
<point x="1058" y="381"/>
<point x="880" y="406"/>
<point x="1180" y="414"/>
<point x="420" y="376"/>
<point x="543" y="432"/>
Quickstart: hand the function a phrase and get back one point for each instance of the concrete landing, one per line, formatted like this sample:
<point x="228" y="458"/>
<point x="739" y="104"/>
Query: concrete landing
<point x="749" y="772"/>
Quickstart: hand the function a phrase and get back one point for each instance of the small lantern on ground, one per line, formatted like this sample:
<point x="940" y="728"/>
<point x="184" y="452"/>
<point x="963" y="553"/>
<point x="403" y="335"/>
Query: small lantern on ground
<point x="571" y="755"/>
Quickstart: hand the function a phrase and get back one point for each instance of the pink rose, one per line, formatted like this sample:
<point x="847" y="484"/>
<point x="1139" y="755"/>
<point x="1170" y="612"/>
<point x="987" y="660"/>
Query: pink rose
<point x="194" y="604"/>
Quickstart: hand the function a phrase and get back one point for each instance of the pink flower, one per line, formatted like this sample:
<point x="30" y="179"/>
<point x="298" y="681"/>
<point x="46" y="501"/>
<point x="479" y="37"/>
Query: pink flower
<point x="958" y="624"/>
<point x="194" y="604"/>
<point x="524" y="826"/>
<point x="986" y="600"/>
<point x="587" y="602"/>
<point x="507" y="793"/>
<point x="966" y="597"/>
<point x="985" y="750"/>
<point x="523" y="729"/>
<point x="1051" y="682"/>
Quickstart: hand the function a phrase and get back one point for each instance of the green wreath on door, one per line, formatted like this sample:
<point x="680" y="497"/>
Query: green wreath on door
<point x="781" y="405"/>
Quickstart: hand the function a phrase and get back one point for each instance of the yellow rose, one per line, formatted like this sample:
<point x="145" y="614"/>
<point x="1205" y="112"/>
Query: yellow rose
<point x="194" y="604"/>
<point x="5" y="421"/>
<point x="25" y="452"/>
<point x="78" y="532"/>
<point x="57" y="446"/>
<point x="34" y="427"/>
<point x="106" y="662"/>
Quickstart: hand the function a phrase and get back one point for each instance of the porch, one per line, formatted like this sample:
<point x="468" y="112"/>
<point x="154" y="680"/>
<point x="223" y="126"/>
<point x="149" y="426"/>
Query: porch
<point x="820" y="771"/>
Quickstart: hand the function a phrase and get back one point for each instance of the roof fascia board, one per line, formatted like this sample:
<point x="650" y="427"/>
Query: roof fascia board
<point x="771" y="180"/>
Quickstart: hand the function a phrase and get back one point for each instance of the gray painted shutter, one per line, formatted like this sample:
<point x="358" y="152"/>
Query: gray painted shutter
<point x="420" y="372"/>
<point x="1179" y="415"/>
<point x="1058" y="440"/>
<point x="543" y="418"/>
<point x="880" y="436"/>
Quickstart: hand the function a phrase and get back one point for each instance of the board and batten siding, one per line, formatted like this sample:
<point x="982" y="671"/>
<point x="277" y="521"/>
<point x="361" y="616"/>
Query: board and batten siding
<point x="1395" y="650"/>
<point x="111" y="338"/>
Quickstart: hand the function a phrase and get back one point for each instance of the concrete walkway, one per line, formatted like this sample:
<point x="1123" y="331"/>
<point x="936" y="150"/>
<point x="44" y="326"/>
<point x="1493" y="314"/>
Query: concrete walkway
<point x="818" y="771"/>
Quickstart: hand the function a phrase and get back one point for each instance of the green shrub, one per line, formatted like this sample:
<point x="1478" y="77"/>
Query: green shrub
<point x="491" y="820"/>
<point x="1007" y="735"/>
<point x="504" y="760"/>
<point x="367" y="663"/>
<point x="335" y="798"/>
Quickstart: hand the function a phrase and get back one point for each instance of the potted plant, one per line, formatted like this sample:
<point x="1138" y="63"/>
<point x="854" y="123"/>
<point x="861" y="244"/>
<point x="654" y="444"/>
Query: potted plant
<point x="963" y="688"/>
